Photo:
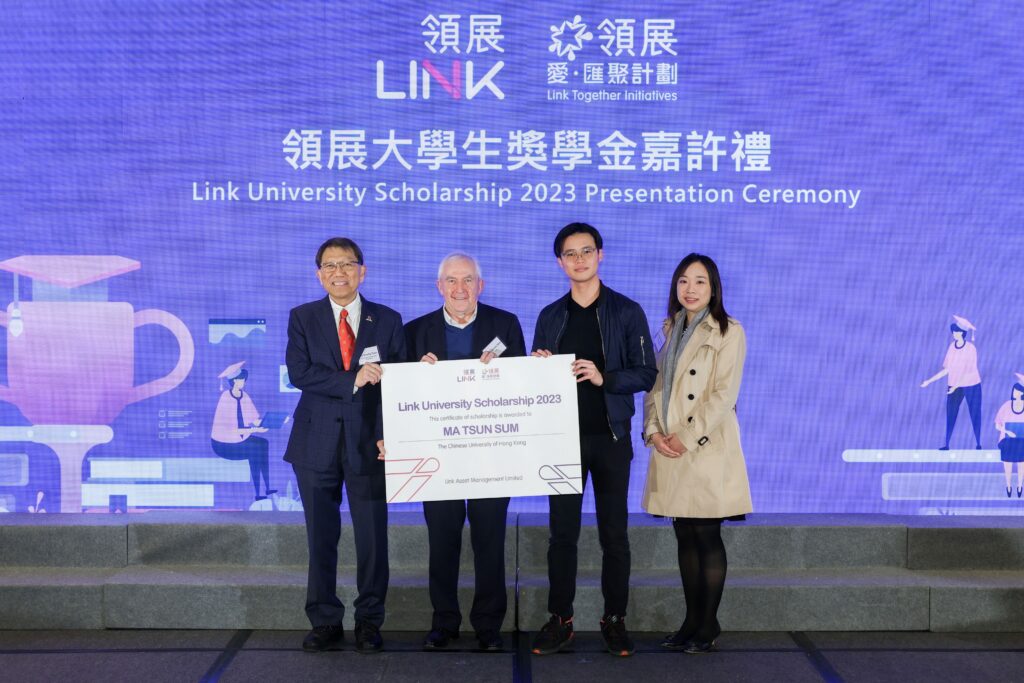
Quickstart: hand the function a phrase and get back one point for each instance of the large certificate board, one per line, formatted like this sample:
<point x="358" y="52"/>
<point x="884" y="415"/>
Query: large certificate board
<point x="463" y="429"/>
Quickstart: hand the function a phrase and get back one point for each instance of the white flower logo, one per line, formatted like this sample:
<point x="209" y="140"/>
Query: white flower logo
<point x="567" y="39"/>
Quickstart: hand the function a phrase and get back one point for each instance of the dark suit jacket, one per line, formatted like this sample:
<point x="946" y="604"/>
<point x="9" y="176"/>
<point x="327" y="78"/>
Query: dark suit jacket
<point x="426" y="333"/>
<point x="327" y="402"/>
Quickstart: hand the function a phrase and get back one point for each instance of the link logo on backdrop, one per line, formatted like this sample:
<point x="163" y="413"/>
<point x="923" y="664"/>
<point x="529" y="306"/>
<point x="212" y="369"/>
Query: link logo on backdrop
<point x="448" y="35"/>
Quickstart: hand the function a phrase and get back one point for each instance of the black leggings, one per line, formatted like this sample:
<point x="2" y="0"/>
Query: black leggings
<point x="702" y="566"/>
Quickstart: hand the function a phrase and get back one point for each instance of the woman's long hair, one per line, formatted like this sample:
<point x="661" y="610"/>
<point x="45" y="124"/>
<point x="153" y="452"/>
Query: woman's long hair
<point x="716" y="308"/>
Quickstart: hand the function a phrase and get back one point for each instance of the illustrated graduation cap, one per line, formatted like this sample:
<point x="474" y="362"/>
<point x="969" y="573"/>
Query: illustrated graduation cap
<point x="63" y="278"/>
<point x="233" y="372"/>
<point x="965" y="325"/>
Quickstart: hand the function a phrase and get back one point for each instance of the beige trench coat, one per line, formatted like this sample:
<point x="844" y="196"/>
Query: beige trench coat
<point x="710" y="479"/>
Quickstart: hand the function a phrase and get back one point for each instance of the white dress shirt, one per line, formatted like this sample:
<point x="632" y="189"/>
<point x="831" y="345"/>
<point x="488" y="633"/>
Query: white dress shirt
<point x="451" y="321"/>
<point x="355" y="310"/>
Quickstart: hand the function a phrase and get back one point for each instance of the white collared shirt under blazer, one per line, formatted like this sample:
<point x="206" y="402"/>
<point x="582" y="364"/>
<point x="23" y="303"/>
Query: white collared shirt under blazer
<point x="710" y="479"/>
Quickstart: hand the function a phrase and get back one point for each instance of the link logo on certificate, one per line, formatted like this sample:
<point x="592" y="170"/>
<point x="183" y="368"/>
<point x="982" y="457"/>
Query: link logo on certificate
<point x="465" y="429"/>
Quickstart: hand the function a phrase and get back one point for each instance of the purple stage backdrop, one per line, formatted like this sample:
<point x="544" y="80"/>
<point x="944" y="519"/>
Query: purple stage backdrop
<point x="851" y="167"/>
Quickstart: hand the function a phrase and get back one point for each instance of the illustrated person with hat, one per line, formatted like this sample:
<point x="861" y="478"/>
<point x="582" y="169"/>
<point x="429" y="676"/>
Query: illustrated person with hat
<point x="960" y="367"/>
<point x="235" y="425"/>
<point x="1009" y="423"/>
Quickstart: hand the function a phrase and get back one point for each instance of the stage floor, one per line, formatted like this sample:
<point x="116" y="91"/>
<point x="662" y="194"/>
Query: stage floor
<point x="156" y="656"/>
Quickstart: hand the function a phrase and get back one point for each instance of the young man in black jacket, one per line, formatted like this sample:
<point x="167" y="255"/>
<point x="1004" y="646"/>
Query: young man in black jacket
<point x="609" y="335"/>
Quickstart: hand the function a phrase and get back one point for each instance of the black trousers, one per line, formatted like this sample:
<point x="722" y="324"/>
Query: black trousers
<point x="445" y="520"/>
<point x="972" y="395"/>
<point x="606" y="462"/>
<point x="321" y="501"/>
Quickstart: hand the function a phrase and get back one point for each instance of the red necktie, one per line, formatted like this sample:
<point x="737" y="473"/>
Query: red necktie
<point x="347" y="339"/>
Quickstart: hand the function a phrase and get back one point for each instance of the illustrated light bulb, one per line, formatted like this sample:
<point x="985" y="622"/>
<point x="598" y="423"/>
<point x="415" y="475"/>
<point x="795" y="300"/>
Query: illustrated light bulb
<point x="16" y="325"/>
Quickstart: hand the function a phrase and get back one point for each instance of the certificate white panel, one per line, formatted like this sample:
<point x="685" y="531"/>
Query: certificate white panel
<point x="463" y="429"/>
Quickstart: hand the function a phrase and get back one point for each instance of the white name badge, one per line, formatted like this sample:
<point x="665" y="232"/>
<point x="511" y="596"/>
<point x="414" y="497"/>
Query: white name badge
<point x="462" y="429"/>
<point x="496" y="347"/>
<point x="370" y="355"/>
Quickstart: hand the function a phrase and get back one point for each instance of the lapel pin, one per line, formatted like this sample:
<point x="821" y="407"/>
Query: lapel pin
<point x="369" y="318"/>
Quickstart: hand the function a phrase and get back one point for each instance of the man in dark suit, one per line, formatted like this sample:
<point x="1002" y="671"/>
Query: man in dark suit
<point x="335" y="349"/>
<point x="461" y="329"/>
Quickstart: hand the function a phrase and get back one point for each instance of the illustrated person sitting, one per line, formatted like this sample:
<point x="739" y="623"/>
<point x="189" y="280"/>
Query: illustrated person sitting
<point x="960" y="367"/>
<point x="1010" y="425"/>
<point x="235" y="423"/>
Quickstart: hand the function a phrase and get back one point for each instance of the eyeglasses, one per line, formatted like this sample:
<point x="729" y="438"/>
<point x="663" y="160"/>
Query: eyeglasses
<point x="584" y="253"/>
<point x="331" y="266"/>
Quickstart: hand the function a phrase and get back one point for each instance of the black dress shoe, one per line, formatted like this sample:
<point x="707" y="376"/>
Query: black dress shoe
<point x="439" y="639"/>
<point x="1009" y="492"/>
<point x="489" y="641"/>
<point x="1020" y="490"/>
<point x="323" y="638"/>
<point x="368" y="640"/>
<point x="700" y="646"/>
<point x="678" y="640"/>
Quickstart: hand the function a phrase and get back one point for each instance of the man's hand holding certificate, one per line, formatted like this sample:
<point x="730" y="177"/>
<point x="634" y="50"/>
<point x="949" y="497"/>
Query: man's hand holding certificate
<point x="465" y="429"/>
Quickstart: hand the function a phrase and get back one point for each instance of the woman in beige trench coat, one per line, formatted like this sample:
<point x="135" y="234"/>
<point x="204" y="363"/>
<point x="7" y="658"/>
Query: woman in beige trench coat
<point x="697" y="475"/>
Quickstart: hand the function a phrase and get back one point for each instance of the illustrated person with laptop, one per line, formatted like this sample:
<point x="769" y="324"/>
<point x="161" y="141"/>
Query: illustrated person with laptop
<point x="235" y="425"/>
<point x="1010" y="425"/>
